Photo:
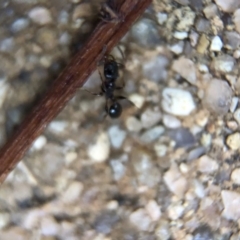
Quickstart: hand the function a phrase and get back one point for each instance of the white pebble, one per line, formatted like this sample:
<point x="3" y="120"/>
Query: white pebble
<point x="180" y="35"/>
<point x="153" y="210"/>
<point x="236" y="115"/>
<point x="207" y="164"/>
<point x="100" y="150"/>
<point x="177" y="48"/>
<point x="236" y="19"/>
<point x="171" y="121"/>
<point x="175" y="211"/>
<point x="117" y="136"/>
<point x="233" y="141"/>
<point x="180" y="65"/>
<point x="72" y="193"/>
<point x="231" y="202"/>
<point x="137" y="99"/>
<point x="235" y="176"/>
<point x="5" y="219"/>
<point x="140" y="220"/>
<point x="39" y="143"/>
<point x="49" y="226"/>
<point x="149" y="118"/>
<point x="58" y="127"/>
<point x="177" y="102"/>
<point x="40" y="15"/>
<point x="234" y="104"/>
<point x="133" y="124"/>
<point x="199" y="189"/>
<point x="70" y="157"/>
<point x="175" y="181"/>
<point x="216" y="44"/>
<point x="160" y="149"/>
<point x="228" y="6"/>
<point x="161" y="17"/>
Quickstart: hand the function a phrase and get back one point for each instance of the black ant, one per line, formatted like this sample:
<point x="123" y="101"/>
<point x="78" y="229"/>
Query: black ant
<point x="111" y="73"/>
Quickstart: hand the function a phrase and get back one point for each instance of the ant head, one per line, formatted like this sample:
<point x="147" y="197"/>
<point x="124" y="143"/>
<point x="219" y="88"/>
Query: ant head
<point x="115" y="110"/>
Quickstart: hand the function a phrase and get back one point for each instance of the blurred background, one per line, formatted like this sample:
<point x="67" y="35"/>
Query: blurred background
<point x="168" y="168"/>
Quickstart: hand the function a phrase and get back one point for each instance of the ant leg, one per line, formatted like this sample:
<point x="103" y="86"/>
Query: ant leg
<point x="96" y="94"/>
<point x="102" y="79"/>
<point x="124" y="98"/>
<point x="123" y="56"/>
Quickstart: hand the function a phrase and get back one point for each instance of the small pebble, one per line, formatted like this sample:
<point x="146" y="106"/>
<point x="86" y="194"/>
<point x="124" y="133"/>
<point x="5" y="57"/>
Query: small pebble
<point x="171" y="121"/>
<point x="177" y="102"/>
<point x="117" y="136"/>
<point x="133" y="124"/>
<point x="175" y="211"/>
<point x="207" y="164"/>
<point x="180" y="35"/>
<point x="39" y="143"/>
<point x="203" y="232"/>
<point x="235" y="176"/>
<point x="100" y="150"/>
<point x="218" y="97"/>
<point x="228" y="6"/>
<point x="137" y="99"/>
<point x="118" y="167"/>
<point x="175" y="181"/>
<point x="153" y="210"/>
<point x="19" y="25"/>
<point x="177" y="48"/>
<point x="196" y="153"/>
<point x="145" y="33"/>
<point x="72" y="193"/>
<point x="161" y="17"/>
<point x="223" y="63"/>
<point x="149" y="118"/>
<point x="234" y="104"/>
<point x="156" y="69"/>
<point x="231" y="202"/>
<point x="5" y="219"/>
<point x="152" y="134"/>
<point x="199" y="189"/>
<point x="182" y="137"/>
<point x="140" y="219"/>
<point x="105" y="221"/>
<point x="210" y="10"/>
<point x="160" y="149"/>
<point x="82" y="10"/>
<point x="233" y="141"/>
<point x="49" y="226"/>
<point x="231" y="40"/>
<point x="216" y="44"/>
<point x="58" y="127"/>
<point x="40" y="15"/>
<point x="236" y="115"/>
<point x="236" y="19"/>
<point x="180" y="67"/>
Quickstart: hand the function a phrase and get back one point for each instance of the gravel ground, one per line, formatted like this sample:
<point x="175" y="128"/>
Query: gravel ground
<point x="168" y="168"/>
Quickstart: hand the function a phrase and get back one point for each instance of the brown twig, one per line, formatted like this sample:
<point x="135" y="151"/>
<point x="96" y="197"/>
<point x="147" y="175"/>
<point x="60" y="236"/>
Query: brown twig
<point x="107" y="33"/>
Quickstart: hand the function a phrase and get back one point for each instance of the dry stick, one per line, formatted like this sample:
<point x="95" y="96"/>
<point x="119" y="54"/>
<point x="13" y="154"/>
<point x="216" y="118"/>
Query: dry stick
<point x="72" y="78"/>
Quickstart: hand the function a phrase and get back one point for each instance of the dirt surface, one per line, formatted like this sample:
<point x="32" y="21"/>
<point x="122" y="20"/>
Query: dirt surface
<point x="168" y="168"/>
